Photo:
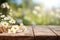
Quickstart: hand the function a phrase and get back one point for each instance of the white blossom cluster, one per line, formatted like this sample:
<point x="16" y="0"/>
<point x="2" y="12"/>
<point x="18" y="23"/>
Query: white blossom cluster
<point x="36" y="11"/>
<point x="5" y="5"/>
<point x="9" y="23"/>
<point x="57" y="13"/>
<point x="16" y="29"/>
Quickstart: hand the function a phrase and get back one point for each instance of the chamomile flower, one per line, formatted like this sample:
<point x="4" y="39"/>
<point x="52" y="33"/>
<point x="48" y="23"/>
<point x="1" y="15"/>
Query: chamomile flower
<point x="39" y="15"/>
<point x="23" y="28"/>
<point x="6" y="18"/>
<point x="2" y="16"/>
<point x="37" y="7"/>
<point x="3" y="5"/>
<point x="4" y="24"/>
<point x="15" y="27"/>
<point x="34" y="12"/>
<point x="11" y="31"/>
<point x="12" y="21"/>
<point x="6" y="4"/>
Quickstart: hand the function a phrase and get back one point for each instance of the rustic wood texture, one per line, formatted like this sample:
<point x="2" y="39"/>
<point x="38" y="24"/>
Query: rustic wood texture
<point x="18" y="36"/>
<point x="44" y="33"/>
<point x="56" y="30"/>
<point x="35" y="33"/>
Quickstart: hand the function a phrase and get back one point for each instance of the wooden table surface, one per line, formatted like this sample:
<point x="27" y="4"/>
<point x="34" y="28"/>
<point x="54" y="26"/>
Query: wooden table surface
<point x="35" y="33"/>
<point x="28" y="35"/>
<point x="56" y="30"/>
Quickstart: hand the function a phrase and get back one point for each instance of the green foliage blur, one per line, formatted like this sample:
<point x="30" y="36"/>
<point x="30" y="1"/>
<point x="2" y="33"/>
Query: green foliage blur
<point x="30" y="15"/>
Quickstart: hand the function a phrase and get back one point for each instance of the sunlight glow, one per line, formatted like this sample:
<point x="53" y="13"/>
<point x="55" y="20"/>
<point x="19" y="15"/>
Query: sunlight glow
<point x="48" y="3"/>
<point x="51" y="3"/>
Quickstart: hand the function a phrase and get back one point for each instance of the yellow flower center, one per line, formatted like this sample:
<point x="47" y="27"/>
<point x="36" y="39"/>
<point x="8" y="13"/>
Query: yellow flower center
<point x="11" y="30"/>
<point x="14" y="27"/>
<point x="5" y="24"/>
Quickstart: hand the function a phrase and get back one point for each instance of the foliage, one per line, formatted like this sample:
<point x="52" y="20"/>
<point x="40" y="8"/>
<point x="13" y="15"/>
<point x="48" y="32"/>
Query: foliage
<point x="32" y="13"/>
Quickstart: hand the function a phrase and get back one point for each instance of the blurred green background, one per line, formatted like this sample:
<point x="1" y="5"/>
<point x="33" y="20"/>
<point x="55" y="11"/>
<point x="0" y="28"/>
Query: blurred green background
<point x="32" y="12"/>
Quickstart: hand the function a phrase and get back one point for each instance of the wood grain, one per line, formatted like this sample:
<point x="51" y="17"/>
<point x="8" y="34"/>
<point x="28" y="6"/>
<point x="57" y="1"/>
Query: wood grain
<point x="43" y="33"/>
<point x="56" y="30"/>
<point x="28" y="35"/>
<point x="34" y="33"/>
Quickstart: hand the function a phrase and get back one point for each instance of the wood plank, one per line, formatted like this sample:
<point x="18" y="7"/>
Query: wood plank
<point x="43" y="33"/>
<point x="56" y="29"/>
<point x="18" y="36"/>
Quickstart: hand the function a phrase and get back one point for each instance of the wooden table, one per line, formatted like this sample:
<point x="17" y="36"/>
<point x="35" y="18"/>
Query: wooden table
<point x="35" y="33"/>
<point x="44" y="33"/>
<point x="56" y="30"/>
<point x="28" y="35"/>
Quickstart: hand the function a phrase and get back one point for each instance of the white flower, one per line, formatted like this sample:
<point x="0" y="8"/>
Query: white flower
<point x="35" y="12"/>
<point x="2" y="16"/>
<point x="6" y="18"/>
<point x="23" y="28"/>
<point x="39" y="15"/>
<point x="11" y="31"/>
<point x="7" y="5"/>
<point x="12" y="21"/>
<point x="4" y="24"/>
<point x="15" y="27"/>
<point x="57" y="15"/>
<point x="3" y="5"/>
<point x="37" y="7"/>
